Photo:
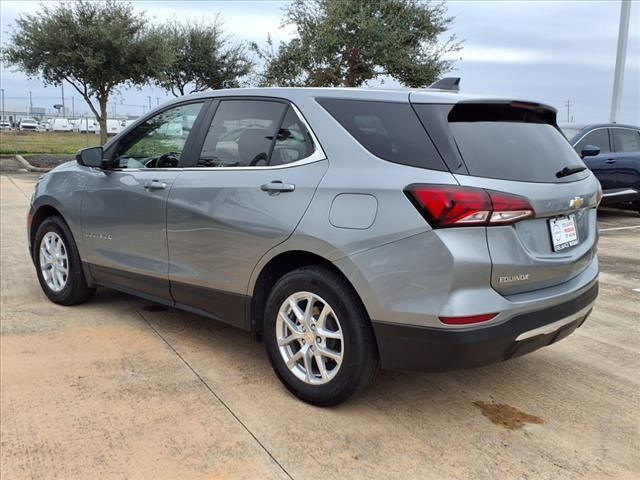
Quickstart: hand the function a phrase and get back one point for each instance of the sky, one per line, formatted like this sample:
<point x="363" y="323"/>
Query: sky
<point x="539" y="50"/>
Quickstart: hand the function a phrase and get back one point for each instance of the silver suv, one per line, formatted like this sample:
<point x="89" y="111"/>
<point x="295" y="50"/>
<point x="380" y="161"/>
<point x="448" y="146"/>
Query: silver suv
<point x="348" y="229"/>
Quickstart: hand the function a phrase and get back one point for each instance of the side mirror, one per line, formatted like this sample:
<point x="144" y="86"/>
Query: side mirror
<point x="90" y="157"/>
<point x="589" y="151"/>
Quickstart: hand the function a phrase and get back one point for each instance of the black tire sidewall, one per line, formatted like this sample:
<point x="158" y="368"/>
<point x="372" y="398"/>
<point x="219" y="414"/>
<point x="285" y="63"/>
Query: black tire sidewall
<point x="358" y="345"/>
<point x="76" y="283"/>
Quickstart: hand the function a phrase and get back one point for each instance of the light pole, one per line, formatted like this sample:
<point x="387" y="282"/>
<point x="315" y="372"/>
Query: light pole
<point x="30" y="104"/>
<point x="149" y="97"/>
<point x="2" y="104"/>
<point x="621" y="57"/>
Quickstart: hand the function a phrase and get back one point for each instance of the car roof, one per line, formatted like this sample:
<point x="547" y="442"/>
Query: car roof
<point x="425" y="95"/>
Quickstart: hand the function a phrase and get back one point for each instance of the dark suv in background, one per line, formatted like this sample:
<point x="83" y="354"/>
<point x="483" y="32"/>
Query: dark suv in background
<point x="617" y="164"/>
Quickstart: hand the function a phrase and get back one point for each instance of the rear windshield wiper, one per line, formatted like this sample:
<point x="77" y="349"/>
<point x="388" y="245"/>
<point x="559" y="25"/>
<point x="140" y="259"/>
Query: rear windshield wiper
<point x="566" y="171"/>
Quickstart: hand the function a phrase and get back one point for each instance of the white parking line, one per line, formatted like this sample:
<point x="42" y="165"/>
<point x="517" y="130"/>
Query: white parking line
<point x="618" y="228"/>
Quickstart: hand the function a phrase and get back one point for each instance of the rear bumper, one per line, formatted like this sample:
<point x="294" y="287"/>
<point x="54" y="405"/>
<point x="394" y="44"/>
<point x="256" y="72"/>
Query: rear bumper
<point x="409" y="347"/>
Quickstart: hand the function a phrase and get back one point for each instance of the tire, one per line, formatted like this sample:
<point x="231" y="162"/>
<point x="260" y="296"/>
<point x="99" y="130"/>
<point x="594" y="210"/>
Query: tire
<point x="345" y="317"/>
<point x="73" y="288"/>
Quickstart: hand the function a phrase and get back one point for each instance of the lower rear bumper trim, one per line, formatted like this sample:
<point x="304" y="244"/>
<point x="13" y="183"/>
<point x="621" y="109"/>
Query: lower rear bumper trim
<point x="407" y="347"/>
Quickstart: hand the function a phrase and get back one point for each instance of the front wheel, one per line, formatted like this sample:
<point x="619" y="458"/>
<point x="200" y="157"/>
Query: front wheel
<point x="58" y="264"/>
<point x="318" y="336"/>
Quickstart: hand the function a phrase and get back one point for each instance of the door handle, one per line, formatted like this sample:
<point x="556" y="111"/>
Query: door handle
<point x="277" y="186"/>
<point x="610" y="160"/>
<point x="155" y="185"/>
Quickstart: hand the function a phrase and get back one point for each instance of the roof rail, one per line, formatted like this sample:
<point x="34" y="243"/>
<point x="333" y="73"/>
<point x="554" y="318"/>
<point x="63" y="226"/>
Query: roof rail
<point x="447" y="83"/>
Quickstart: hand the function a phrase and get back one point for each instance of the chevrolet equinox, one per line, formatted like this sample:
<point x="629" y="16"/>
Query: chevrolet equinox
<point x="349" y="229"/>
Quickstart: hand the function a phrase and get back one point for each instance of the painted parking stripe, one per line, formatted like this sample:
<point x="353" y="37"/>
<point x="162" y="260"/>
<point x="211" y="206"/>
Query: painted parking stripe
<point x="619" y="228"/>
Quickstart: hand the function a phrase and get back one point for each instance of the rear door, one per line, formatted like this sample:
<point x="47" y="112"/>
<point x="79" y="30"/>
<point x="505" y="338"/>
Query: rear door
<point x="603" y="165"/>
<point x="626" y="143"/>
<point x="257" y="170"/>
<point x="516" y="148"/>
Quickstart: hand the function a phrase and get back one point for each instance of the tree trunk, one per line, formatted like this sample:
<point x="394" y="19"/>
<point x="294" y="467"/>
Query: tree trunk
<point x="102" y="120"/>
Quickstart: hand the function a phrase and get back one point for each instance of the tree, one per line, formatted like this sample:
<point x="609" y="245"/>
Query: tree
<point x="202" y="58"/>
<point x="94" y="46"/>
<point x="349" y="42"/>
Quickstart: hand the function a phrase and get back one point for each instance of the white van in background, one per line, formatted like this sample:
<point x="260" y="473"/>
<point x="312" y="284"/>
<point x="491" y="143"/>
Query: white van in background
<point x="84" y="125"/>
<point x="113" y="127"/>
<point x="60" y="125"/>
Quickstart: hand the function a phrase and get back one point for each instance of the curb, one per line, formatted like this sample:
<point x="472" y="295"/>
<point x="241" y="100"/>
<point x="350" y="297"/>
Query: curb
<point x="27" y="166"/>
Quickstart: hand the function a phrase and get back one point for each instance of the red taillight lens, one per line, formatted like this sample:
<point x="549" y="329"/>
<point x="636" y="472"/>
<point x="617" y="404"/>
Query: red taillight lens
<point x="467" y="320"/>
<point x="456" y="206"/>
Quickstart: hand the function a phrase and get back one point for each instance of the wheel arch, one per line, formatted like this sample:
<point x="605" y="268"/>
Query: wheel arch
<point x="274" y="269"/>
<point x="40" y="214"/>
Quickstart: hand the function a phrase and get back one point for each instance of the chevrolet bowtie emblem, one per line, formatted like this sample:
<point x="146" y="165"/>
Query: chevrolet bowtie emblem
<point x="576" y="202"/>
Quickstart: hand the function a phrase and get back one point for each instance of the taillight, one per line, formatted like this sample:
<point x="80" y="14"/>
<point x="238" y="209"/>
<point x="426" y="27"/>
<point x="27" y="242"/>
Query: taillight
<point x="456" y="206"/>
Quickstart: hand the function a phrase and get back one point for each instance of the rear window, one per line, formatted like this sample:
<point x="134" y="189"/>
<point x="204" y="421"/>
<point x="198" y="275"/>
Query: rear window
<point x="508" y="142"/>
<point x="388" y="130"/>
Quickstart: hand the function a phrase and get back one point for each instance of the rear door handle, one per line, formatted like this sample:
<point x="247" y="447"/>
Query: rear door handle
<point x="277" y="186"/>
<point x="610" y="160"/>
<point x="155" y="185"/>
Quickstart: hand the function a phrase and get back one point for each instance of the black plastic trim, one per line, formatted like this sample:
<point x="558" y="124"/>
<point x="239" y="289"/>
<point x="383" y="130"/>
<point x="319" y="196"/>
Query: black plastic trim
<point x="409" y="347"/>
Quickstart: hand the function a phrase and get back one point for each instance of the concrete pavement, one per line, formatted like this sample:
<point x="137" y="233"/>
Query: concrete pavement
<point x="119" y="388"/>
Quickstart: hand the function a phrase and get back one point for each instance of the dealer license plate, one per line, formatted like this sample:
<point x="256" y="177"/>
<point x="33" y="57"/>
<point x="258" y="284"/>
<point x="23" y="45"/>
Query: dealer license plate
<point x="564" y="233"/>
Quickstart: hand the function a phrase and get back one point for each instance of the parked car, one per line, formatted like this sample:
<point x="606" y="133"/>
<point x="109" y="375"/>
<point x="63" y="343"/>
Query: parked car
<point x="5" y="125"/>
<point x="43" y="127"/>
<point x="60" y="125"/>
<point x="113" y="127"/>
<point x="616" y="163"/>
<point x="350" y="229"/>
<point x="27" y="124"/>
<point x="84" y="125"/>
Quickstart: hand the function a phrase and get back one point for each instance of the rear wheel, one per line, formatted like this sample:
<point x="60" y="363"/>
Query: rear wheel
<point x="58" y="264"/>
<point x="318" y="336"/>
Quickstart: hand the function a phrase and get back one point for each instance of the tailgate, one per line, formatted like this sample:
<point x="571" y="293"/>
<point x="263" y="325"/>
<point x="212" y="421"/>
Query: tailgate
<point x="523" y="257"/>
<point x="516" y="147"/>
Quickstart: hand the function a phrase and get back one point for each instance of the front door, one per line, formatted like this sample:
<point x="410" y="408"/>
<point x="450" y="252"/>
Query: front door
<point x="602" y="165"/>
<point x="254" y="178"/>
<point x="124" y="206"/>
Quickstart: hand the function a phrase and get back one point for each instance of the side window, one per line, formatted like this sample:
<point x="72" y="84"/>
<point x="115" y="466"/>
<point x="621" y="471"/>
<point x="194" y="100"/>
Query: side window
<point x="159" y="141"/>
<point x="389" y="130"/>
<point x="599" y="138"/>
<point x="293" y="142"/>
<point x="243" y="133"/>
<point x="626" y="140"/>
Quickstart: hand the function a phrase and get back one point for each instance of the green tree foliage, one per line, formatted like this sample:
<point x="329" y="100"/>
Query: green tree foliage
<point x="349" y="42"/>
<point x="96" y="46"/>
<point x="202" y="58"/>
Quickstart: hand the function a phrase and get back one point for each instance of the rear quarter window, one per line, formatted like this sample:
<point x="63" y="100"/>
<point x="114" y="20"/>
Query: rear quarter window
<point x="388" y="130"/>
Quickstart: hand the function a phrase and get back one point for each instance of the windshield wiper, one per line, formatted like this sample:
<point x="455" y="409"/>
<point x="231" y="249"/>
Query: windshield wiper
<point x="566" y="171"/>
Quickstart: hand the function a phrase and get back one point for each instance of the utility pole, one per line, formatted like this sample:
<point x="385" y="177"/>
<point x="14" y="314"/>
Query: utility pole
<point x="621" y="57"/>
<point x="2" y="104"/>
<point x="149" y="97"/>
<point x="73" y="108"/>
<point x="30" y="103"/>
<point x="569" y="105"/>
<point x="157" y="101"/>
<point x="64" y="110"/>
